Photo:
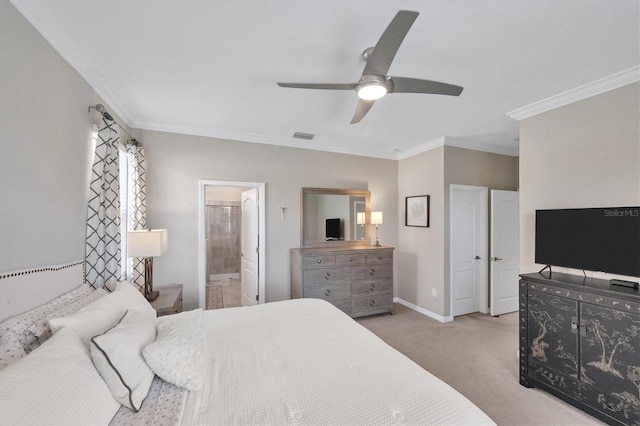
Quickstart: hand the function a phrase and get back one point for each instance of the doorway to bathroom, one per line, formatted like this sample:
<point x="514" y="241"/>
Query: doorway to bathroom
<point x="231" y="249"/>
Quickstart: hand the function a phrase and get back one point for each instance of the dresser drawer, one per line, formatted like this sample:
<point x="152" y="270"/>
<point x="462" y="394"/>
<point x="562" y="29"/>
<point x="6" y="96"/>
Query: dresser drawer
<point x="325" y="275"/>
<point x="371" y="287"/>
<point x="344" y="305"/>
<point x="328" y="292"/>
<point x="372" y="304"/>
<point x="318" y="260"/>
<point x="372" y="272"/>
<point x="381" y="257"/>
<point x="350" y="259"/>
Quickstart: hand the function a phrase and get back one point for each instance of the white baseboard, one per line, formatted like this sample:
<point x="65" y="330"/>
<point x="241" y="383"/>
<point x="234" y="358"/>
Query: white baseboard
<point x="218" y="277"/>
<point x="423" y="311"/>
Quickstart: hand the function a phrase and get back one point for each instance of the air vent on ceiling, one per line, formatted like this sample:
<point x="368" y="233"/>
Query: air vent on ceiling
<point x="305" y="136"/>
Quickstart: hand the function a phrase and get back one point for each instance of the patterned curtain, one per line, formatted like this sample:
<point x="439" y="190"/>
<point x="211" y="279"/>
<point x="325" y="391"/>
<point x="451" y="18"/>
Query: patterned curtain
<point x="137" y="206"/>
<point x="102" y="262"/>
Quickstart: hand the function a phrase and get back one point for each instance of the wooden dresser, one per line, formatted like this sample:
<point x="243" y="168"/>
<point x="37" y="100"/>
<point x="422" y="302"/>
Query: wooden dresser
<point x="359" y="281"/>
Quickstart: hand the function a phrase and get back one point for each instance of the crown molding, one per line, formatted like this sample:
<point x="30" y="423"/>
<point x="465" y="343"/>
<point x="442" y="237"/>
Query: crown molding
<point x="476" y="146"/>
<point x="597" y="87"/>
<point x="49" y="28"/>
<point x="427" y="146"/>
<point x="263" y="139"/>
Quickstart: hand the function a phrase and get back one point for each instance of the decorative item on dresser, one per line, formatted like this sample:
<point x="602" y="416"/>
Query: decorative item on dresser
<point x="359" y="281"/>
<point x="580" y="341"/>
<point x="169" y="300"/>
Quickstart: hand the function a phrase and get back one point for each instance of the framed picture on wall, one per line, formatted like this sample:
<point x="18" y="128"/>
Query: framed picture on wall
<point x="416" y="211"/>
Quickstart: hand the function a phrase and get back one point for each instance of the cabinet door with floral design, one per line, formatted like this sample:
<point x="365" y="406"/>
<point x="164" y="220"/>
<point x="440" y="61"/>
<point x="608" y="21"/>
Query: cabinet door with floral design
<point x="610" y="354"/>
<point x="553" y="340"/>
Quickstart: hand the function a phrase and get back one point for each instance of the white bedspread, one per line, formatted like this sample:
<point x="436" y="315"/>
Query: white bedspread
<point x="305" y="362"/>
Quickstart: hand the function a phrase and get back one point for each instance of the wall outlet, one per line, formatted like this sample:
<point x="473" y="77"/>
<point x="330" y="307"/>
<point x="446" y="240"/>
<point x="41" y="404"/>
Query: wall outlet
<point x="434" y="292"/>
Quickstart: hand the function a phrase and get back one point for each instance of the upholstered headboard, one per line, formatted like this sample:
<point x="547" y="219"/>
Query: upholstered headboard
<point x="23" y="290"/>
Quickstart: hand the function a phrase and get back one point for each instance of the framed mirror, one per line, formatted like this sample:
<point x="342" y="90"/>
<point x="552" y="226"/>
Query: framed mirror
<point x="335" y="217"/>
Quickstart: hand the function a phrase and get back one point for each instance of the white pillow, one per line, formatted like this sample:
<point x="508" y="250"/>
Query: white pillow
<point x="55" y="384"/>
<point x="178" y="354"/>
<point x="117" y="355"/>
<point x="10" y="349"/>
<point x="101" y="315"/>
<point x="21" y="323"/>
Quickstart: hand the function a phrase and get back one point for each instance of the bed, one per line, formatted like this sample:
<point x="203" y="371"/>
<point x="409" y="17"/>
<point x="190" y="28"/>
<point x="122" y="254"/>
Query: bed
<point x="301" y="361"/>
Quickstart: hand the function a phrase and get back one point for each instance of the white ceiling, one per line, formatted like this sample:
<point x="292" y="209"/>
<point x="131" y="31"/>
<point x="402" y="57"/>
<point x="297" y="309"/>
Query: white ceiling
<point x="210" y="67"/>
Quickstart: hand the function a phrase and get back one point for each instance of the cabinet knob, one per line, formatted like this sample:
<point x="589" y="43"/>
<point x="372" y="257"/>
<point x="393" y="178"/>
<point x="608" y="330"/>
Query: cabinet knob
<point x="351" y="259"/>
<point x="319" y="261"/>
<point x="327" y="293"/>
<point x="372" y="271"/>
<point x="372" y="287"/>
<point x="372" y="303"/>
<point x="327" y="275"/>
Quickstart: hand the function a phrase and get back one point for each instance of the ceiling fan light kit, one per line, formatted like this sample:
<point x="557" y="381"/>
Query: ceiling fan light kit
<point x="372" y="89"/>
<point x="374" y="83"/>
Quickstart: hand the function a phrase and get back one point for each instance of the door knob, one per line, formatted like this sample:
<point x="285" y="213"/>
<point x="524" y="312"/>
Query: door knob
<point x="477" y="257"/>
<point x="496" y="258"/>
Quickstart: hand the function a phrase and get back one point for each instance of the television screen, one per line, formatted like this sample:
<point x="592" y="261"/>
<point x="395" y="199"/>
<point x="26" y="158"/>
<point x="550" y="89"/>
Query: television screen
<point x="332" y="229"/>
<point x="596" y="239"/>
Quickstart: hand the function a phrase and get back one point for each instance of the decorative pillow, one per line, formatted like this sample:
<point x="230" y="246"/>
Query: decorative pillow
<point x="20" y="323"/>
<point x="117" y="355"/>
<point x="38" y="332"/>
<point x="55" y="384"/>
<point x="178" y="354"/>
<point x="102" y="314"/>
<point x="10" y="349"/>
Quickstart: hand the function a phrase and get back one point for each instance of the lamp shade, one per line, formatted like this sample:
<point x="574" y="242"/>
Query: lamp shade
<point x="360" y="219"/>
<point x="149" y="243"/>
<point x="376" y="218"/>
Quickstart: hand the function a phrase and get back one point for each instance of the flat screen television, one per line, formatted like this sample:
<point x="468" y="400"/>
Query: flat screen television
<point x="595" y="239"/>
<point x="332" y="229"/>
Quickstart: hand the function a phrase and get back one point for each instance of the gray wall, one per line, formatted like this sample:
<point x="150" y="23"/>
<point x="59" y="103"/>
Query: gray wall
<point x="45" y="149"/>
<point x="586" y="154"/>
<point x="176" y="163"/>
<point x="423" y="253"/>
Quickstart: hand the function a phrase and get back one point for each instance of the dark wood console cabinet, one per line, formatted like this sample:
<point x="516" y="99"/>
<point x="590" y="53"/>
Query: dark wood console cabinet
<point x="580" y="341"/>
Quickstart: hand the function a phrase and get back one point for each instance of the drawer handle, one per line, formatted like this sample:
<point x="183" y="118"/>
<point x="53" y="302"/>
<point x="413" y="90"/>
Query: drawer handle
<point x="327" y="275"/>
<point x="372" y="303"/>
<point x="319" y="261"/>
<point x="327" y="293"/>
<point x="372" y="287"/>
<point x="372" y="271"/>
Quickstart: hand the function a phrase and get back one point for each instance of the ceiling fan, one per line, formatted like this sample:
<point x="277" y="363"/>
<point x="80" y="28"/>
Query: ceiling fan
<point x="374" y="82"/>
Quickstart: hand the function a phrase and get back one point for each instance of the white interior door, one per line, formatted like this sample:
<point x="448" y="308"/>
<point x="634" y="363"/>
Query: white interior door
<point x="468" y="256"/>
<point x="249" y="246"/>
<point x="504" y="251"/>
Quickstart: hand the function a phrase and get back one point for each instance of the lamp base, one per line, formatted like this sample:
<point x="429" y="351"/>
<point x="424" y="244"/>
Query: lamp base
<point x="153" y="295"/>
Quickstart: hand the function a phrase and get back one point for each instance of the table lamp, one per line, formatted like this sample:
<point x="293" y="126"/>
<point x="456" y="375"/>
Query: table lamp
<point x="376" y="219"/>
<point x="147" y="243"/>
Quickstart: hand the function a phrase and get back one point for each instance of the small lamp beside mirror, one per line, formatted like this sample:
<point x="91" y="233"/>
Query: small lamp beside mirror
<point x="376" y="219"/>
<point x="147" y="244"/>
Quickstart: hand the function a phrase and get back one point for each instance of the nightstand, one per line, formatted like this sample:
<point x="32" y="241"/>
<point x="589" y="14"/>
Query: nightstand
<point x="169" y="300"/>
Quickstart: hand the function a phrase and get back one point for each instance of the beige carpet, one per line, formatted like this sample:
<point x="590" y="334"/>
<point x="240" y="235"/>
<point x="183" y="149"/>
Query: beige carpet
<point x="477" y="355"/>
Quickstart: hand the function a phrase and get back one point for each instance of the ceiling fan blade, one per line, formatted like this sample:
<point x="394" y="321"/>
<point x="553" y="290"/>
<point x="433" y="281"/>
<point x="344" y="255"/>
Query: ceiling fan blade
<point x="416" y="85"/>
<point x="361" y="110"/>
<point x="389" y="43"/>
<point x="325" y="86"/>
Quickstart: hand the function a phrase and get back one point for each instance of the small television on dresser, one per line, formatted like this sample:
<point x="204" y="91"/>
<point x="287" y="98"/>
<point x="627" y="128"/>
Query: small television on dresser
<point x="593" y="239"/>
<point x="332" y="230"/>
